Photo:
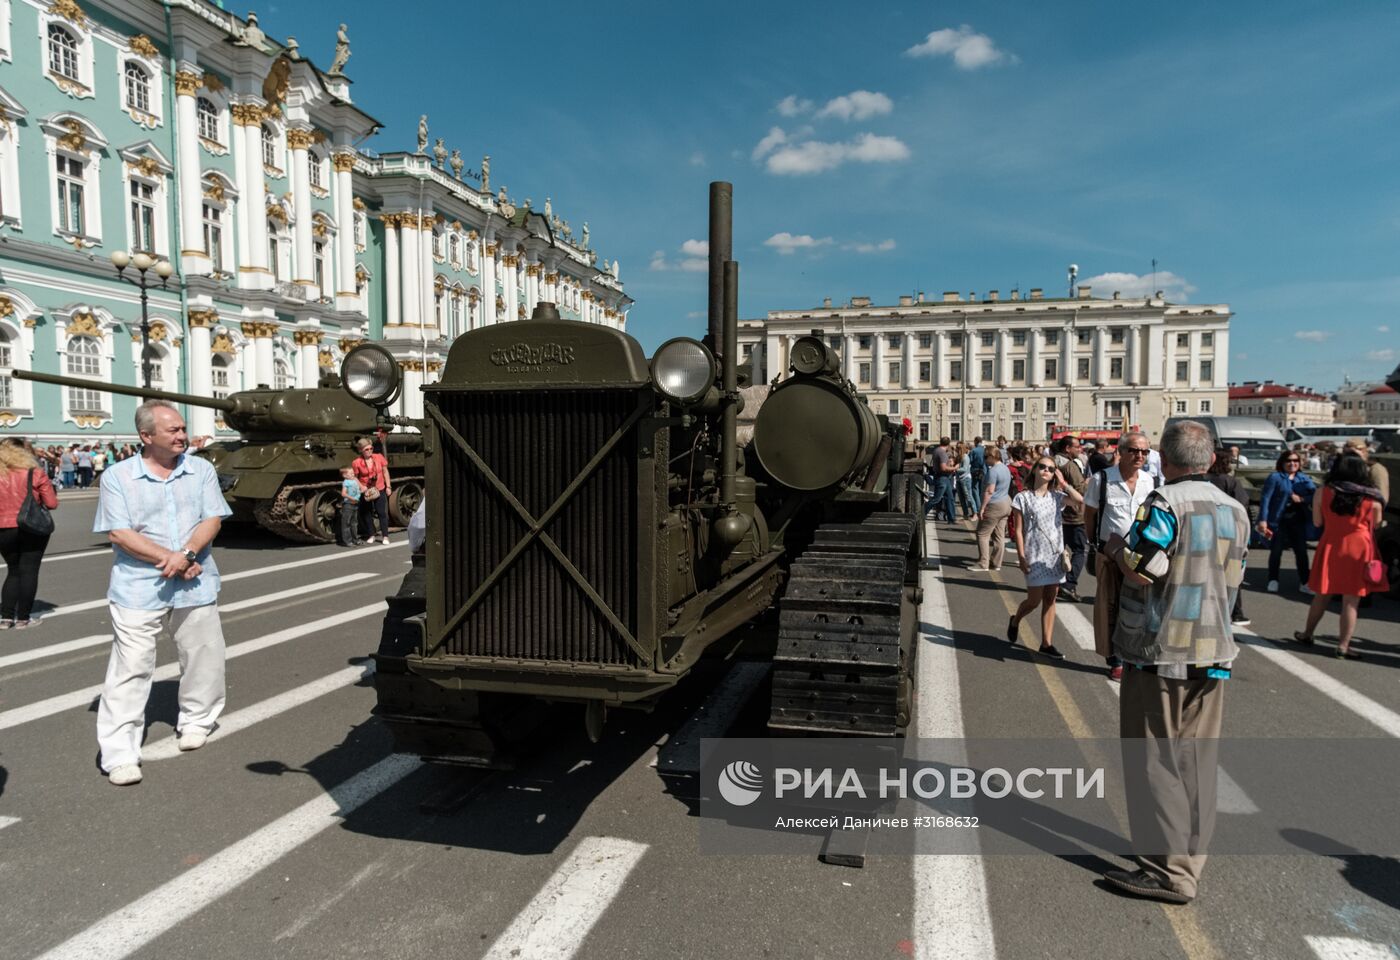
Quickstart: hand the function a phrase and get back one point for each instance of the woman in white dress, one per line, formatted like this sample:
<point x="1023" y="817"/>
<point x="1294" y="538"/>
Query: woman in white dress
<point x="1040" y="546"/>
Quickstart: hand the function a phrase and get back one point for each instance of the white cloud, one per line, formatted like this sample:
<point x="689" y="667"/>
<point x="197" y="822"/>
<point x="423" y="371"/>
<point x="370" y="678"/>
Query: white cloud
<point x="1386" y="355"/>
<point x="693" y="258"/>
<point x="815" y="156"/>
<point x="697" y="159"/>
<point x="1313" y="336"/>
<point x="786" y="243"/>
<point x="792" y="106"/>
<point x="969" y="49"/>
<point x="774" y="139"/>
<point x="857" y="105"/>
<point x="1241" y="356"/>
<point x="1174" y="288"/>
<point x="884" y="246"/>
<point x="1383" y="329"/>
<point x="696" y="314"/>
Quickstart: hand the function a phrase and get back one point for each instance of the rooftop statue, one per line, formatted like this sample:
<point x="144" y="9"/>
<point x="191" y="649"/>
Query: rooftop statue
<point x="423" y="133"/>
<point x="456" y="163"/>
<point x="342" y="53"/>
<point x="486" y="174"/>
<point x="439" y="153"/>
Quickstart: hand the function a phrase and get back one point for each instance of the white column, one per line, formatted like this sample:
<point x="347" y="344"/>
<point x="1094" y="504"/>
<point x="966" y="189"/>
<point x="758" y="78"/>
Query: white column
<point x="243" y="162"/>
<point x="1220" y="364"/>
<point x="201" y="370"/>
<point x="940" y="360"/>
<point x="192" y="255"/>
<point x="848" y="356"/>
<point x="392" y="293"/>
<point x="971" y="369"/>
<point x="772" y="358"/>
<point x="261" y="336"/>
<point x="488" y="280"/>
<point x="1170" y="338"/>
<point x="409" y="268"/>
<point x="1034" y="367"/>
<point x="426" y="300"/>
<point x="1003" y="363"/>
<point x="532" y="287"/>
<point x="1194" y="370"/>
<point x="1133" y="364"/>
<point x="1068" y="335"/>
<point x="910" y="371"/>
<point x="1100" y="356"/>
<point x="413" y="387"/>
<point x="510" y="264"/>
<point x="878" y="380"/>
<point x="308" y="357"/>
<point x="1154" y="354"/>
<point x="298" y="141"/>
<point x="347" y="298"/>
<point x="254" y="271"/>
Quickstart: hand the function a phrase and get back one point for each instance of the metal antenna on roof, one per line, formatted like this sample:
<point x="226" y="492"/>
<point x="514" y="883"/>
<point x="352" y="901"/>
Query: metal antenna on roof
<point x="1154" y="273"/>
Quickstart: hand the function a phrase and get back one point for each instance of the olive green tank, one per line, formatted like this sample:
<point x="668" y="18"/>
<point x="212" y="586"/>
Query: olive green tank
<point x="1388" y="538"/>
<point x="594" y="530"/>
<point x="283" y="472"/>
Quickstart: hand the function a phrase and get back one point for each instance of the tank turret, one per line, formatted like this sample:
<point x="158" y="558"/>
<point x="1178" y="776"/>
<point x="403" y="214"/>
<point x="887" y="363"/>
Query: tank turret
<point x="283" y="471"/>
<point x="253" y="412"/>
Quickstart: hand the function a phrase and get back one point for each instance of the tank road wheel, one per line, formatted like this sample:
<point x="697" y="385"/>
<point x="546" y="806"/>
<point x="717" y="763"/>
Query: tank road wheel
<point x="404" y="500"/>
<point x="320" y="514"/>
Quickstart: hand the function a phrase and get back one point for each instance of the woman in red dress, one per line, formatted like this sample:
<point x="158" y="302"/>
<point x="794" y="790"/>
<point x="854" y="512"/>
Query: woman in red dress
<point x="1348" y="509"/>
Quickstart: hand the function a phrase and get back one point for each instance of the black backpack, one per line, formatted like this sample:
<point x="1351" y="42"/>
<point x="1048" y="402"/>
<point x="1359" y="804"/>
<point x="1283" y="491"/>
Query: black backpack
<point x="33" y="518"/>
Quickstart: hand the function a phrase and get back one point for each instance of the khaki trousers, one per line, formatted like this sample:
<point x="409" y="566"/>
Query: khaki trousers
<point x="1171" y="733"/>
<point x="1108" y="577"/>
<point x="992" y="527"/>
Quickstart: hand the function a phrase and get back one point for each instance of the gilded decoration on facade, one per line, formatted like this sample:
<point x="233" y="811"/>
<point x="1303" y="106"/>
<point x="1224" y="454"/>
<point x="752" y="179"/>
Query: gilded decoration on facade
<point x="215" y="191"/>
<point x="142" y="46"/>
<point x="88" y="420"/>
<point x="186" y="83"/>
<point x="325" y="358"/>
<point x="349" y="343"/>
<point x="246" y="114"/>
<point x="298" y="139"/>
<point x="70" y="11"/>
<point x="319" y="228"/>
<point x="415" y="365"/>
<point x="307" y="338"/>
<point x="358" y="204"/>
<point x="84" y="325"/>
<point x="223" y="343"/>
<point x="276" y="84"/>
<point x="7" y="307"/>
<point x="343" y="161"/>
<point x="75" y="140"/>
<point x="551" y="278"/>
<point x="212" y="83"/>
<point x="201" y="317"/>
<point x="8" y="419"/>
<point x="146" y="167"/>
<point x="491" y="249"/>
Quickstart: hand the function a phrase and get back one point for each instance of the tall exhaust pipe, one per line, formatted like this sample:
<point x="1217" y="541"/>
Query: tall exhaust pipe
<point x="721" y="249"/>
<point x="729" y="387"/>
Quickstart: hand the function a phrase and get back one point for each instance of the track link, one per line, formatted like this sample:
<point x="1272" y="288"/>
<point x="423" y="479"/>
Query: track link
<point x="842" y="663"/>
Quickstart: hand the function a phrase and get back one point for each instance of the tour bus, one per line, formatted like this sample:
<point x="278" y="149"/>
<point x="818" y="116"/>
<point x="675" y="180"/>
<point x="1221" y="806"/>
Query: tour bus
<point x="1339" y="433"/>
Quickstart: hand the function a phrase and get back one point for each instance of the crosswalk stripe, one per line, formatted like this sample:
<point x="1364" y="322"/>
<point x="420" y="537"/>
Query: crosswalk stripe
<point x="1348" y="948"/>
<point x="952" y="916"/>
<point x="1330" y="687"/>
<point x="79" y="698"/>
<point x="8" y="822"/>
<point x="230" y="723"/>
<point x="555" y="923"/>
<point x="97" y="639"/>
<point x="234" y="577"/>
<point x="1229" y="795"/>
<point x="123" y="932"/>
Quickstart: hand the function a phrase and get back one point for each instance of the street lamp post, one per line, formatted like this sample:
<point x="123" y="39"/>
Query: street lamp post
<point x="143" y="262"/>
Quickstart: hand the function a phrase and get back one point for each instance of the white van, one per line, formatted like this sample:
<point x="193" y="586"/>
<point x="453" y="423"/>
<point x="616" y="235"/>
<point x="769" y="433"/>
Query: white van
<point x="1258" y="439"/>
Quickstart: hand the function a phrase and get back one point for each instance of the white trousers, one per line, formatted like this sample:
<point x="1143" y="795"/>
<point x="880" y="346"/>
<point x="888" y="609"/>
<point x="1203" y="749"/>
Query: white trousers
<point x="121" y="713"/>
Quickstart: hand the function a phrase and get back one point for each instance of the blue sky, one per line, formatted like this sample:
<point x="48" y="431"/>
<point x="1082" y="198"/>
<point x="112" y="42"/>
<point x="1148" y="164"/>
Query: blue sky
<point x="1252" y="149"/>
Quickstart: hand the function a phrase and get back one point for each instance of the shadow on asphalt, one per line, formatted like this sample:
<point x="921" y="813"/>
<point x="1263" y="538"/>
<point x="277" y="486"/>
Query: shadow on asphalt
<point x="1377" y="877"/>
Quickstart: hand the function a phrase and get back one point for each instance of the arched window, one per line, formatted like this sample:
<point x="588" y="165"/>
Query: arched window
<point x="7" y="363"/>
<point x="208" y="117"/>
<point x="456" y="315"/>
<point x="219" y="370"/>
<point x="84" y="359"/>
<point x="318" y="176"/>
<point x="281" y="376"/>
<point x="138" y="87"/>
<point x="454" y="249"/>
<point x="63" y="52"/>
<point x="269" y="147"/>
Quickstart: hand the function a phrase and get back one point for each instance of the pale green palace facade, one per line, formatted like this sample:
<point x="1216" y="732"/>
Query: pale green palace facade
<point x="178" y="129"/>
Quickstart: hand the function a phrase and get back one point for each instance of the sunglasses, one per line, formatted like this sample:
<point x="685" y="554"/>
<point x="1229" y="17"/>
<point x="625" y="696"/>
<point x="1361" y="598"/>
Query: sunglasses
<point x="1136" y="451"/>
<point x="1292" y="460"/>
<point x="1043" y="466"/>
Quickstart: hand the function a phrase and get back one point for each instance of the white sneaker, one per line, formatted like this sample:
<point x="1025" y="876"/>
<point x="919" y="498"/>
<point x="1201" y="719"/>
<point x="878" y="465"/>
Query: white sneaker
<point x="981" y="568"/>
<point x="383" y="539"/>
<point x="125" y="775"/>
<point x="1273" y="586"/>
<point x="1307" y="590"/>
<point x="192" y="739"/>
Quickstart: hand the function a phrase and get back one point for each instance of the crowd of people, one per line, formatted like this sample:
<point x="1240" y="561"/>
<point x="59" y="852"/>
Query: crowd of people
<point x="1060" y="505"/>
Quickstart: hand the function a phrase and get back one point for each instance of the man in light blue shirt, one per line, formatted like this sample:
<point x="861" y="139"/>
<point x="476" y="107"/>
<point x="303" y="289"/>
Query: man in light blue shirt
<point x="161" y="511"/>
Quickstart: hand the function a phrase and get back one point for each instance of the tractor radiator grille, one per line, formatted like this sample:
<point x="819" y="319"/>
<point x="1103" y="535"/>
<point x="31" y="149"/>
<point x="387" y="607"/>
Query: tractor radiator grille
<point x="536" y="443"/>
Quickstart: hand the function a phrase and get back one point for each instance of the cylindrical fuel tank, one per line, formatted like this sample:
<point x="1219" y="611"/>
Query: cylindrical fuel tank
<point x="812" y="433"/>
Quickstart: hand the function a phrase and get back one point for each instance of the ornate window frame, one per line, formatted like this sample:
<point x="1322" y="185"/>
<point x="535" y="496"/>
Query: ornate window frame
<point x="18" y="316"/>
<point x="11" y="196"/>
<point x="74" y="136"/>
<point x="318" y="171"/>
<point x="84" y="320"/>
<point x="218" y="191"/>
<point x="141" y="52"/>
<point x="279" y="148"/>
<point x="144" y="163"/>
<point x="166" y="339"/>
<point x="69" y="16"/>
<point x="217" y="146"/>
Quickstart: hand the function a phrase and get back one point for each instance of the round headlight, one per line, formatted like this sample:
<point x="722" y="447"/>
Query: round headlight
<point x="370" y="373"/>
<point x="684" y="370"/>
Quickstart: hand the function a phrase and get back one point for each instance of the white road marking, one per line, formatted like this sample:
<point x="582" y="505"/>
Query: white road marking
<point x="1330" y="687"/>
<point x="952" y="917"/>
<point x="1348" y="948"/>
<point x="97" y="639"/>
<point x="81" y="698"/>
<point x="8" y="822"/>
<point x="233" y="577"/>
<point x="127" y="930"/>
<point x="74" y="556"/>
<point x="229" y="723"/>
<point x="555" y="923"/>
<point x="713" y="718"/>
<point x="1229" y="795"/>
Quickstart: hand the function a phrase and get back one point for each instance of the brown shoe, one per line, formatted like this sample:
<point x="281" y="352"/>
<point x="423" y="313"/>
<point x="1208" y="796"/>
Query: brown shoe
<point x="1143" y="884"/>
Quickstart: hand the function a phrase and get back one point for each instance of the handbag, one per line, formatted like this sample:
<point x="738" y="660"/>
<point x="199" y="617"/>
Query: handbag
<point x="1066" y="559"/>
<point x="33" y="517"/>
<point x="1373" y="572"/>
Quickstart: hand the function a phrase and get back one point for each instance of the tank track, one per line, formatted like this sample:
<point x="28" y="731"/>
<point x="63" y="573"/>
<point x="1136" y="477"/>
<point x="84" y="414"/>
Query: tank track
<point x="283" y="516"/>
<point x="844" y="657"/>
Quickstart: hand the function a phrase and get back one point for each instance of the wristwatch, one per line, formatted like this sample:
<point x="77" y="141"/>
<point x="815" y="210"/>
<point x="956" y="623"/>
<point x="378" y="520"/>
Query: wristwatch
<point x="190" y="555"/>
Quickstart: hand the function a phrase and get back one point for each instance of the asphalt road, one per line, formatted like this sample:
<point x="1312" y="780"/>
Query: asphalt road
<point x="296" y="832"/>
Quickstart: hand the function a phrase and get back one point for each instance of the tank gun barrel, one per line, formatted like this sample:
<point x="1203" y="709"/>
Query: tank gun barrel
<point x="144" y="393"/>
